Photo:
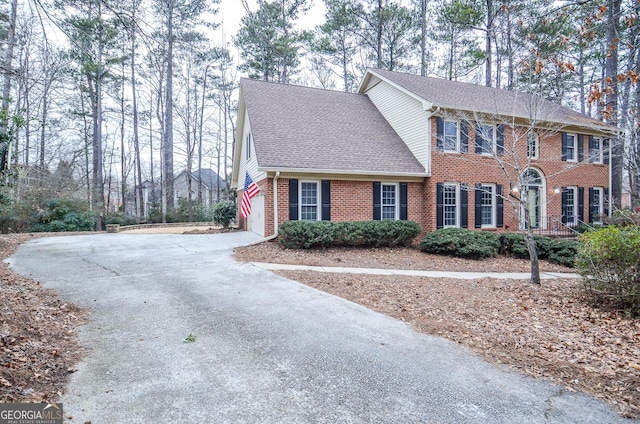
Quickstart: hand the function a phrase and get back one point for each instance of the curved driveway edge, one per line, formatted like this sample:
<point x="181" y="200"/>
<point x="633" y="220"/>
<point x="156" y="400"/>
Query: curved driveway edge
<point x="266" y="349"/>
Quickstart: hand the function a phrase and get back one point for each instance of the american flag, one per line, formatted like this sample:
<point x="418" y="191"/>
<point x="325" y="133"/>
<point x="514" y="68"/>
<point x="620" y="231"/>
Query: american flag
<point x="251" y="189"/>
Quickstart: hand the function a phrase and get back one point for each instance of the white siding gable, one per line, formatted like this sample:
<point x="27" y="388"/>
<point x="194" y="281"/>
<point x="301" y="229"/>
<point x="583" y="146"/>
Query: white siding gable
<point x="407" y="117"/>
<point x="251" y="165"/>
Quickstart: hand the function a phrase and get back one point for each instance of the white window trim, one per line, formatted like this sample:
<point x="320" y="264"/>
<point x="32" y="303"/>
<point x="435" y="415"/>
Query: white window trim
<point x="318" y="199"/>
<point x="444" y="143"/>
<point x="575" y="147"/>
<point x="596" y="219"/>
<point x="494" y="141"/>
<point x="574" y="214"/>
<point x="600" y="158"/>
<point x="494" y="202"/>
<point x="457" y="187"/>
<point x="536" y="150"/>
<point x="396" y="206"/>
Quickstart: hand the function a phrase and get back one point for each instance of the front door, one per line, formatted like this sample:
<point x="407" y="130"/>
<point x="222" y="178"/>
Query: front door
<point x="533" y="194"/>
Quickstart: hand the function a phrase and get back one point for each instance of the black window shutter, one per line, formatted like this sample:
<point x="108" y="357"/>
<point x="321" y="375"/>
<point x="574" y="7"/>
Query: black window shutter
<point x="464" y="206"/>
<point x="581" y="203"/>
<point x="377" y="207"/>
<point x="605" y="146"/>
<point x="404" y="203"/>
<point x="293" y="200"/>
<point x="499" y="206"/>
<point x="564" y="205"/>
<point x="479" y="141"/>
<point x="326" y="200"/>
<point x="606" y="202"/>
<point x="564" y="145"/>
<point x="478" y="206"/>
<point x="500" y="140"/>
<point x="464" y="136"/>
<point x="580" y="147"/>
<point x="591" y="201"/>
<point x="439" y="205"/>
<point x="439" y="134"/>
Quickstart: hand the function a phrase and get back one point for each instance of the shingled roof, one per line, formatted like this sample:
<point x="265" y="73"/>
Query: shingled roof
<point x="459" y="96"/>
<point x="302" y="128"/>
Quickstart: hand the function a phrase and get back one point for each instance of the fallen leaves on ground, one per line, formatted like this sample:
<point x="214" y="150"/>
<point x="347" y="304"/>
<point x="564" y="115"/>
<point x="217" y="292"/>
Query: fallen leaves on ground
<point x="546" y="331"/>
<point x="38" y="346"/>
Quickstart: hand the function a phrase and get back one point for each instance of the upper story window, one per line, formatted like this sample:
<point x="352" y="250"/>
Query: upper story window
<point x="533" y="145"/>
<point x="569" y="147"/>
<point x="595" y="150"/>
<point x="389" y="199"/>
<point x="485" y="139"/>
<point x="247" y="147"/>
<point x="451" y="136"/>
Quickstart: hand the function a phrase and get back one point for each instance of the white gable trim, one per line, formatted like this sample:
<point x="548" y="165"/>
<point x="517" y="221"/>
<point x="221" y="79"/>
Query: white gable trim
<point x="368" y="82"/>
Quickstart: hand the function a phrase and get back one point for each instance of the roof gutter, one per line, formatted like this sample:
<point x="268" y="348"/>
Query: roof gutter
<point x="342" y="172"/>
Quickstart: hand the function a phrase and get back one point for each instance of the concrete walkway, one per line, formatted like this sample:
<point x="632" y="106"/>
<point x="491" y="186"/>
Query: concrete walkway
<point x="414" y="273"/>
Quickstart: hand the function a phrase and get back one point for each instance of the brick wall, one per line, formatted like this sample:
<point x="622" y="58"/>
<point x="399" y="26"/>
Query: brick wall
<point x="353" y="200"/>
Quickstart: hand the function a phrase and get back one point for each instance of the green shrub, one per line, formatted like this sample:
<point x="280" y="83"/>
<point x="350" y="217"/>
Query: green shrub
<point x="62" y="215"/>
<point x="461" y="242"/>
<point x="609" y="261"/>
<point x="307" y="234"/>
<point x="560" y="251"/>
<point x="223" y="213"/>
<point x="389" y="233"/>
<point x="323" y="234"/>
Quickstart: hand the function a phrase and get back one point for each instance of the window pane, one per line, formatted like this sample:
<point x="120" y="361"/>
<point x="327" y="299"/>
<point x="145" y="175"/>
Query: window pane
<point x="532" y="139"/>
<point x="485" y="139"/>
<point x="450" y="206"/>
<point x="571" y="206"/>
<point x="388" y="202"/>
<point x="309" y="201"/>
<point x="450" y="135"/>
<point x="571" y="147"/>
<point x="487" y="205"/>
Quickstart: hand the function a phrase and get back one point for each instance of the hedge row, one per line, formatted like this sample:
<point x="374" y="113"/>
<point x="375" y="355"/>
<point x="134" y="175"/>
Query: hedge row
<point x="323" y="234"/>
<point x="481" y="244"/>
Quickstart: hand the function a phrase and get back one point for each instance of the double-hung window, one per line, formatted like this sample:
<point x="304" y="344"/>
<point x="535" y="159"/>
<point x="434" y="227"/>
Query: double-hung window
<point x="488" y="208"/>
<point x="485" y="139"/>
<point x="571" y="150"/>
<point x="533" y="145"/>
<point x="570" y="205"/>
<point x="596" y="204"/>
<point x="451" y="136"/>
<point x="595" y="150"/>
<point x="389" y="199"/>
<point x="451" y="212"/>
<point x="309" y="201"/>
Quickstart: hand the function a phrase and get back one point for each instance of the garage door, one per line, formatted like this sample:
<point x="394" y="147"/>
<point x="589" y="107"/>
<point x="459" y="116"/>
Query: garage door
<point x="255" y="221"/>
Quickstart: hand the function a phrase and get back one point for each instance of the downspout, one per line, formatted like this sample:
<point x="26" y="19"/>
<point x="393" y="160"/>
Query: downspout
<point x="275" y="207"/>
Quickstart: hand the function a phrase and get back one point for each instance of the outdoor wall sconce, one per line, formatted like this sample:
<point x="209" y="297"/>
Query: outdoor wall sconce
<point x="556" y="190"/>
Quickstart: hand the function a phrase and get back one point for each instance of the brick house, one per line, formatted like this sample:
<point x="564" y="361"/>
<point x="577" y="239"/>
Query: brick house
<point x="438" y="152"/>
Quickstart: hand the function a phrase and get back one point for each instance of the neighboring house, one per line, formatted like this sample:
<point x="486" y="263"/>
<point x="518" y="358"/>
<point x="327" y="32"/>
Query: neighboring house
<point x="151" y="193"/>
<point x="434" y="151"/>
<point x="212" y="187"/>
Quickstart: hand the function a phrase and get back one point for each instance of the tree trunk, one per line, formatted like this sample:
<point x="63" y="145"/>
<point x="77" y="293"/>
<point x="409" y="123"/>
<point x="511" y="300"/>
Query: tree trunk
<point x="423" y="38"/>
<point x="167" y="145"/>
<point x="611" y="107"/>
<point x="488" y="44"/>
<point x="134" y="102"/>
<point x="6" y="89"/>
<point x="533" y="255"/>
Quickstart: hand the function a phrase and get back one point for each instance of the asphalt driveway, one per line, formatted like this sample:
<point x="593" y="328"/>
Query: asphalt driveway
<point x="266" y="349"/>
